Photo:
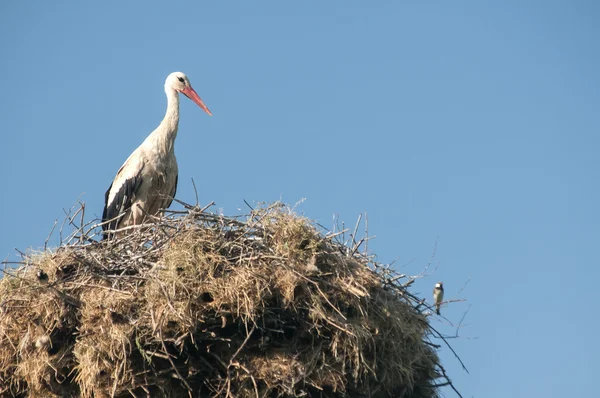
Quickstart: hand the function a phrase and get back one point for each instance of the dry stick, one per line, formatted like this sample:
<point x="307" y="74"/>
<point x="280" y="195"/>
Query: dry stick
<point x="49" y="235"/>
<point x="397" y="277"/>
<point x="321" y="293"/>
<point x="228" y="386"/>
<point x="323" y="227"/>
<point x="6" y="262"/>
<point x="100" y="287"/>
<point x="60" y="232"/>
<point x="367" y="234"/>
<point x="460" y="324"/>
<point x="462" y="288"/>
<point x="63" y="225"/>
<point x="84" y="235"/>
<point x="22" y="254"/>
<point x="429" y="343"/>
<point x="72" y="222"/>
<point x="252" y="224"/>
<point x="195" y="191"/>
<point x="117" y="217"/>
<point x="212" y="203"/>
<point x="450" y="347"/>
<point x="356" y="246"/>
<point x="82" y="218"/>
<point x="131" y="227"/>
<point x="251" y="378"/>
<point x="248" y="204"/>
<point x="94" y="224"/>
<point x="242" y="346"/>
<point x="4" y="271"/>
<point x="203" y="209"/>
<point x="333" y="223"/>
<point x="71" y="218"/>
<point x="356" y="229"/>
<point x="335" y="234"/>
<point x="162" y="342"/>
<point x="184" y="204"/>
<point x="448" y="379"/>
<point x="115" y="384"/>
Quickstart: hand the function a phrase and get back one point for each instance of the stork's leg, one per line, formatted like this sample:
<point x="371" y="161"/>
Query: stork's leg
<point x="137" y="214"/>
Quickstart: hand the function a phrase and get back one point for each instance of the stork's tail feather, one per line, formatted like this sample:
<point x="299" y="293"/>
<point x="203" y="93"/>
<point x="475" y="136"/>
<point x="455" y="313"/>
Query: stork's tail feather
<point x="437" y="310"/>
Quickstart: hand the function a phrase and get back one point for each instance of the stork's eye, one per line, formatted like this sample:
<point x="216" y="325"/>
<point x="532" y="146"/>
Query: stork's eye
<point x="180" y="79"/>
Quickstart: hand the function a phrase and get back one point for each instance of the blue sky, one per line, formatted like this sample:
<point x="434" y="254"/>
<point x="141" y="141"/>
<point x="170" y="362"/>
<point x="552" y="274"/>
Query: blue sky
<point x="474" y="125"/>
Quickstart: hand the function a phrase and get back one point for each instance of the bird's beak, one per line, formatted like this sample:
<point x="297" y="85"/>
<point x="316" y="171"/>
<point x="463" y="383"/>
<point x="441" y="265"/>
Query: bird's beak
<point x="191" y="94"/>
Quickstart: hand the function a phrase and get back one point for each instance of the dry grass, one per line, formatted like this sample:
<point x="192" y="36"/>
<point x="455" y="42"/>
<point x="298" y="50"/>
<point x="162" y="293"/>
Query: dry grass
<point x="203" y="305"/>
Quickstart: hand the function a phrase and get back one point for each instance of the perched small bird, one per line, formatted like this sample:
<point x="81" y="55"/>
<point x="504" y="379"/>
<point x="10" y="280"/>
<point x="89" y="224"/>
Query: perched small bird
<point x="438" y="296"/>
<point x="42" y="276"/>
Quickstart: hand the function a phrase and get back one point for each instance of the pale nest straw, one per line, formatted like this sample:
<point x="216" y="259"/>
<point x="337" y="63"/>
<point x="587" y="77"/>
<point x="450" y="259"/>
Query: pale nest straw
<point x="198" y="304"/>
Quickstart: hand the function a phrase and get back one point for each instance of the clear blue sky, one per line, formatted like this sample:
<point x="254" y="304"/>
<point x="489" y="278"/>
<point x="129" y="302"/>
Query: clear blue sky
<point x="472" y="124"/>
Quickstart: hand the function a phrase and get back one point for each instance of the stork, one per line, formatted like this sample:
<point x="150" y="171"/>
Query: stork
<point x="147" y="181"/>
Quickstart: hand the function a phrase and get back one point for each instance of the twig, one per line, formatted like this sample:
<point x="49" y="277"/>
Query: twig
<point x="334" y="235"/>
<point x="164" y="346"/>
<point x="448" y="381"/>
<point x="356" y="229"/>
<point x="316" y="285"/>
<point x="248" y="204"/>
<point x="49" y="235"/>
<point x="242" y="346"/>
<point x="195" y="191"/>
<point x="450" y="347"/>
<point x="202" y="210"/>
<point x="461" y="321"/>
<point x="366" y="234"/>
<point x="81" y="223"/>
<point x="462" y="288"/>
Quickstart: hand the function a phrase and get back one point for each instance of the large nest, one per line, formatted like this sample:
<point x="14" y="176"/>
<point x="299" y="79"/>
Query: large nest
<point x="202" y="305"/>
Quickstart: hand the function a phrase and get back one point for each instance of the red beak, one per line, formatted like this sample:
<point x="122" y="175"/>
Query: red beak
<point x="191" y="94"/>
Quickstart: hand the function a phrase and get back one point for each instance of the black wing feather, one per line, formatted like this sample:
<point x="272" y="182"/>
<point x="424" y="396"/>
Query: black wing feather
<point x="120" y="203"/>
<point x="172" y="195"/>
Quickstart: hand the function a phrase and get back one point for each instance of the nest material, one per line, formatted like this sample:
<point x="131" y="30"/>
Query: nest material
<point x="203" y="305"/>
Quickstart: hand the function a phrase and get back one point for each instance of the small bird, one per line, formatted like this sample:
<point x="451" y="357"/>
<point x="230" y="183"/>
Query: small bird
<point x="147" y="181"/>
<point x="438" y="296"/>
<point x="42" y="276"/>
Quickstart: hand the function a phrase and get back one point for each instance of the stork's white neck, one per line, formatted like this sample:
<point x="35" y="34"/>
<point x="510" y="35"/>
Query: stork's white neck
<point x="164" y="136"/>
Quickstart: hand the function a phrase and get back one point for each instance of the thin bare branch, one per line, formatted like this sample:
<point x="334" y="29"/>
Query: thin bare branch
<point x="50" y="235"/>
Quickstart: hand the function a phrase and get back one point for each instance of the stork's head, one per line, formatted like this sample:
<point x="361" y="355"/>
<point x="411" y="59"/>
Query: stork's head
<point x="439" y="285"/>
<point x="178" y="81"/>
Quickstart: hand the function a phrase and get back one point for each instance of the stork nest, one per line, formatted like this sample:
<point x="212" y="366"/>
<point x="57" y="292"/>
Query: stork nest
<point x="201" y="305"/>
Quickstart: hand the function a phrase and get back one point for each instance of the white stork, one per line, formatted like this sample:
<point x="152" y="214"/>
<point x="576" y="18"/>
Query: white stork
<point x="147" y="181"/>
